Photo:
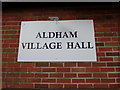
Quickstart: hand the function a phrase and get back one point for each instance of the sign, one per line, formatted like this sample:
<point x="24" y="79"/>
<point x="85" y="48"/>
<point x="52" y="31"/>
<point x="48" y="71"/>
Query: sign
<point x="64" y="41"/>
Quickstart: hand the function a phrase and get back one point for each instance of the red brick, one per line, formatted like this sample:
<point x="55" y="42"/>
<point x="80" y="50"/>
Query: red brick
<point x="8" y="69"/>
<point x="70" y="86"/>
<point x="57" y="75"/>
<point x="7" y="79"/>
<point x="34" y="69"/>
<point x="112" y="44"/>
<point x="10" y="33"/>
<point x="85" y="75"/>
<point x="100" y="85"/>
<point x="92" y="69"/>
<point x="103" y="39"/>
<point x="48" y="80"/>
<point x="116" y="58"/>
<point x="78" y="69"/>
<point x="118" y="80"/>
<point x="27" y="64"/>
<point x="115" y="38"/>
<point x="48" y="69"/>
<point x="106" y="58"/>
<point x="63" y="80"/>
<point x="5" y="45"/>
<point x="84" y="64"/>
<point x="78" y="80"/>
<point x="1" y="32"/>
<point x="105" y="29"/>
<point x="10" y="41"/>
<point x="105" y="49"/>
<point x="12" y="74"/>
<point x="70" y="64"/>
<point x="10" y="23"/>
<point x="107" y="69"/>
<point x="92" y="80"/>
<point x="34" y="80"/>
<point x="99" y="34"/>
<point x="63" y="69"/>
<point x="116" y="48"/>
<point x="8" y="59"/>
<point x="13" y="65"/>
<point x="16" y="80"/>
<point x="10" y="27"/>
<point x="3" y="75"/>
<point x="117" y="69"/>
<point x="20" y="70"/>
<point x="11" y="84"/>
<point x="56" y="64"/>
<point x="41" y="75"/>
<point x="94" y="64"/>
<point x="14" y="45"/>
<point x="113" y="64"/>
<point x="85" y="86"/>
<point x="11" y="54"/>
<point x="41" y="85"/>
<point x="56" y="85"/>
<point x="42" y="64"/>
<point x="70" y="75"/>
<point x="106" y="25"/>
<point x="100" y="54"/>
<point x="26" y="85"/>
<point x="100" y="75"/>
<point x="107" y="80"/>
<point x="20" y="85"/>
<point x="114" y="85"/>
<point x="3" y="85"/>
<point x="114" y="75"/>
<point x="113" y="54"/>
<point x="10" y="36"/>
<point x="8" y="50"/>
<point x="110" y="34"/>
<point x="27" y="75"/>
<point x="4" y="65"/>
<point x="99" y="44"/>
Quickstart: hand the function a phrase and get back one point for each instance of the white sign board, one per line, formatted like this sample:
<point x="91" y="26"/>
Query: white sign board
<point x="64" y="41"/>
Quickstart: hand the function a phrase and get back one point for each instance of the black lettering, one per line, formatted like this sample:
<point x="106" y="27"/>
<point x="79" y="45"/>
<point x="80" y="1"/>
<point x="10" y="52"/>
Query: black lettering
<point x="45" y="46"/>
<point x="51" y="34"/>
<point x="38" y="35"/>
<point x="69" y="45"/>
<point x="83" y="45"/>
<point x="24" y="45"/>
<point x="77" y="45"/>
<point x="44" y="35"/>
<point x="38" y="46"/>
<point x="52" y="45"/>
<point x="89" y="45"/>
<point x="65" y="35"/>
<point x="58" y="34"/>
<point x="73" y="35"/>
<point x="59" y="45"/>
<point x="32" y="46"/>
<point x="28" y="46"/>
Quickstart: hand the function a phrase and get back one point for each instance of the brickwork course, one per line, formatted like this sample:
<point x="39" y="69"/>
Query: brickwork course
<point x="101" y="74"/>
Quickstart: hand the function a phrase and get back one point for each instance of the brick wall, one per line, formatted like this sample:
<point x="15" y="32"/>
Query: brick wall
<point x="101" y="74"/>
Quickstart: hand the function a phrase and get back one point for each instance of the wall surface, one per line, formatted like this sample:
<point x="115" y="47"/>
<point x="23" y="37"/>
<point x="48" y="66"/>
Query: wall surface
<point x="101" y="74"/>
